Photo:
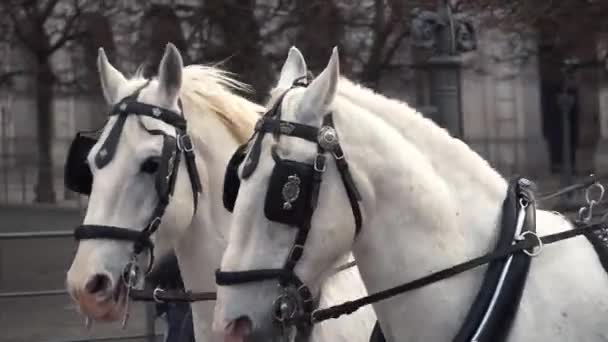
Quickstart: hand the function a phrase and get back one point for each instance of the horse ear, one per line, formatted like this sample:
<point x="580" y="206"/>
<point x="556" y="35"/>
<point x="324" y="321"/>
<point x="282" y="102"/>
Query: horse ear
<point x="111" y="79"/>
<point x="170" y="73"/>
<point x="294" y="68"/>
<point x="320" y="93"/>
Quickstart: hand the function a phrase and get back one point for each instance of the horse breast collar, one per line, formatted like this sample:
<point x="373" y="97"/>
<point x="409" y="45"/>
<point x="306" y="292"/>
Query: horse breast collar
<point x="495" y="306"/>
<point x="291" y="199"/>
<point x="78" y="177"/>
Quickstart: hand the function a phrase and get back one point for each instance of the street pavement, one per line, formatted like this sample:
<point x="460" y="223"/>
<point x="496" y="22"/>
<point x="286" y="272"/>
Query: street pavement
<point x="40" y="264"/>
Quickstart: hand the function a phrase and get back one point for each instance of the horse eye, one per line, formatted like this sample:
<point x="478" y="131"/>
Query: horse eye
<point x="150" y="165"/>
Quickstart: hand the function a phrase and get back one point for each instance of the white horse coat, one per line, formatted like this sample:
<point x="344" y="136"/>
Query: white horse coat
<point x="429" y="202"/>
<point x="218" y="122"/>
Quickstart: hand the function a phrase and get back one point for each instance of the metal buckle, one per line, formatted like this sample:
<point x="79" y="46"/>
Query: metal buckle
<point x="155" y="294"/>
<point x="309" y="295"/>
<point x="535" y="250"/>
<point x="184" y="143"/>
<point x="313" y="320"/>
<point x="259" y="124"/>
<point x="336" y="155"/>
<point x="600" y="196"/>
<point x="293" y="249"/>
<point x="320" y="156"/>
<point x="155" y="223"/>
<point x="284" y="308"/>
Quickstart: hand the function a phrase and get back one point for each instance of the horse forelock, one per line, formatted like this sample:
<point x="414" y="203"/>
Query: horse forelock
<point x="211" y="90"/>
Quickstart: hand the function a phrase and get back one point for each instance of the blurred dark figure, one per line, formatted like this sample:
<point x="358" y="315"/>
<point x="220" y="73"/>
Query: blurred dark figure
<point x="553" y="123"/>
<point x="166" y="275"/>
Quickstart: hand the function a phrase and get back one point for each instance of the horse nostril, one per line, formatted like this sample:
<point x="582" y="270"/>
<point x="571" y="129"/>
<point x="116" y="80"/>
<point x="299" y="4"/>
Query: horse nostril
<point x="98" y="283"/>
<point x="240" y="327"/>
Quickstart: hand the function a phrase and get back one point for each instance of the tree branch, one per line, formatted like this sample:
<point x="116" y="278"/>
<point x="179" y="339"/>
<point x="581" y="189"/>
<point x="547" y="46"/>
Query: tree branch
<point x="47" y="10"/>
<point x="67" y="33"/>
<point x="6" y="77"/>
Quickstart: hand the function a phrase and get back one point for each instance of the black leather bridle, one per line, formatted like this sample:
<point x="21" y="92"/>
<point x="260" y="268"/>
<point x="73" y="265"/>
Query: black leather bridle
<point x="175" y="146"/>
<point x="287" y="308"/>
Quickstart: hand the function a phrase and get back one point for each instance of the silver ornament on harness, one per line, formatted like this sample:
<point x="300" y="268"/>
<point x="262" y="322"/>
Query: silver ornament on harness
<point x="327" y="138"/>
<point x="290" y="191"/>
<point x="286" y="128"/>
<point x="156" y="112"/>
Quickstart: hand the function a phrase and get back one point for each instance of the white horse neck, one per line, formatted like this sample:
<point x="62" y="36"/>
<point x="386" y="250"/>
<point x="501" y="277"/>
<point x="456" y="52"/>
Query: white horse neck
<point x="429" y="206"/>
<point x="450" y="157"/>
<point x="449" y="203"/>
<point x="218" y="122"/>
<point x="216" y="136"/>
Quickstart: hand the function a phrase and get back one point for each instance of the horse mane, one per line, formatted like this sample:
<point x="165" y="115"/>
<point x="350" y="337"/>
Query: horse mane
<point x="209" y="88"/>
<point x="419" y="129"/>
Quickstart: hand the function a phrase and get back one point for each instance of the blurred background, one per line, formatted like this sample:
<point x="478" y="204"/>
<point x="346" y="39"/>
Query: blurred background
<point x="524" y="83"/>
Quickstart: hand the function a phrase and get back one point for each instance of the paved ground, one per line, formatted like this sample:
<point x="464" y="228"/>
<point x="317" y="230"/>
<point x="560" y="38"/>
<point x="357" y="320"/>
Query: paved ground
<point x="40" y="264"/>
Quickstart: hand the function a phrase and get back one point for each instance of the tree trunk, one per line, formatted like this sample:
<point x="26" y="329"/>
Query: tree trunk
<point x="321" y="28"/>
<point x="241" y="42"/>
<point x="44" y="100"/>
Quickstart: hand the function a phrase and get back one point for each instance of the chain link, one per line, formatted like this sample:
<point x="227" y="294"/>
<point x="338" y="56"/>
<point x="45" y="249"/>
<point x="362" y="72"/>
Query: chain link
<point x="585" y="213"/>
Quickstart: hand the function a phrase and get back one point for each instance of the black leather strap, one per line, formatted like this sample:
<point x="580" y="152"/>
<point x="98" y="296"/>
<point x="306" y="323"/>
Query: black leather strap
<point x="86" y="232"/>
<point x="292" y="129"/>
<point x="181" y="143"/>
<point x="154" y="295"/>
<point x="127" y="107"/>
<point x="528" y="243"/>
<point x="242" y="277"/>
<point x="349" y="184"/>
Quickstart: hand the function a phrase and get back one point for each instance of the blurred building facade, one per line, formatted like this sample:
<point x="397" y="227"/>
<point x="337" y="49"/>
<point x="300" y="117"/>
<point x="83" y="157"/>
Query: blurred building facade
<point x="506" y="117"/>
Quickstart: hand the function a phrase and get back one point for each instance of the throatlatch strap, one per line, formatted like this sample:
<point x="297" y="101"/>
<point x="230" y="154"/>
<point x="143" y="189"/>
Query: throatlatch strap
<point x="351" y="189"/>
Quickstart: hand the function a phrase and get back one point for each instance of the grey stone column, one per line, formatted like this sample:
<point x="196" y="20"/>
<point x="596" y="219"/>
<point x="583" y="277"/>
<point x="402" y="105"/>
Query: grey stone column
<point x="446" y="93"/>
<point x="448" y="36"/>
<point x="600" y="158"/>
<point x="601" y="151"/>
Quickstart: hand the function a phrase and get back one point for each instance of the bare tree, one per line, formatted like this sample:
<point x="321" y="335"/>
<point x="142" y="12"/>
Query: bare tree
<point x="565" y="26"/>
<point x="240" y="44"/>
<point x="41" y="28"/>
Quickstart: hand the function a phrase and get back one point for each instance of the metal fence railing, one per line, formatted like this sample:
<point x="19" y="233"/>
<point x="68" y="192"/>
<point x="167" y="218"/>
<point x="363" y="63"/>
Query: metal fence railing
<point x="149" y="334"/>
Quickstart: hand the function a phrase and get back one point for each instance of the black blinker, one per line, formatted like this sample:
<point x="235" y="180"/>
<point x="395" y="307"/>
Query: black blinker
<point x="77" y="173"/>
<point x="289" y="190"/>
<point x="232" y="182"/>
<point x="167" y="167"/>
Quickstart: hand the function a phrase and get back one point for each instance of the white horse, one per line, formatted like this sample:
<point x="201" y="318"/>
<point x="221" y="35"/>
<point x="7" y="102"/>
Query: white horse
<point x="429" y="202"/>
<point x="123" y="196"/>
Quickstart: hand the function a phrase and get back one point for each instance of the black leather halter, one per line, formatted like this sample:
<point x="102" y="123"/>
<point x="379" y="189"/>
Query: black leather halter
<point x="326" y="140"/>
<point x="182" y="144"/>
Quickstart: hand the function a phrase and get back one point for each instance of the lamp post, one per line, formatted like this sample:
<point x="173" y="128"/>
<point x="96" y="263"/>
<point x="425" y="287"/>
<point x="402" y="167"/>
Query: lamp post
<point x="448" y="35"/>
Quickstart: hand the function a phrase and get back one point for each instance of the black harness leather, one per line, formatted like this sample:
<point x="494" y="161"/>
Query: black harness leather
<point x="327" y="143"/>
<point x="173" y="148"/>
<point x="496" y="303"/>
<point x="494" y="308"/>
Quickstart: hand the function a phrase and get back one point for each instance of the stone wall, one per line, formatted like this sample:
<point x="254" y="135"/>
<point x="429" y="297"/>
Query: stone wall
<point x="501" y="104"/>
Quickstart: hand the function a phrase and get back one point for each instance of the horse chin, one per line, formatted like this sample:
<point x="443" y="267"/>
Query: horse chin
<point x="108" y="309"/>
